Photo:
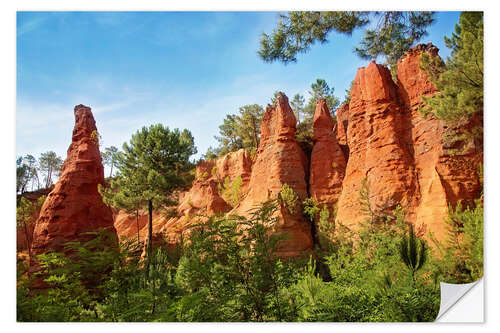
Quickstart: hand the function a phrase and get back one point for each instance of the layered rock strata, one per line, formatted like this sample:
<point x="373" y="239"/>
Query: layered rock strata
<point x="280" y="160"/>
<point x="75" y="207"/>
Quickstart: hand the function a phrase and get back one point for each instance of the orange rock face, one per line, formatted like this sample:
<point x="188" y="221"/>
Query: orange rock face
<point x="342" y="123"/>
<point x="127" y="225"/>
<point x="327" y="159"/>
<point x="280" y="160"/>
<point x="75" y="206"/>
<point x="233" y="165"/>
<point x="445" y="176"/>
<point x="401" y="154"/>
<point x="377" y="150"/>
<point x="379" y="137"/>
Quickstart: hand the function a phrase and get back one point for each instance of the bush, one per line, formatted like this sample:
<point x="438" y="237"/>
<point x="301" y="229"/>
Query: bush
<point x="231" y="191"/>
<point x="289" y="198"/>
<point x="462" y="252"/>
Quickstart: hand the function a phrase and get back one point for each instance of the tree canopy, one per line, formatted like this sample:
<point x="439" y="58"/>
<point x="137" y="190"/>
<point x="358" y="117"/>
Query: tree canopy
<point x="109" y="158"/>
<point x="152" y="166"/>
<point x="50" y="165"/>
<point x="388" y="34"/>
<point x="240" y="130"/>
<point x="460" y="80"/>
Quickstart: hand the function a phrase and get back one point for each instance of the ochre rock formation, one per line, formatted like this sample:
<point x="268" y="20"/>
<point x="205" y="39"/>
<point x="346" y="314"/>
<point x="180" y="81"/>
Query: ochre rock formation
<point x="280" y="160"/>
<point x="75" y="206"/>
<point x="127" y="224"/>
<point x="444" y="175"/>
<point x="379" y="137"/>
<point x="402" y="154"/>
<point x="377" y="150"/>
<point x="233" y="165"/>
<point x="327" y="159"/>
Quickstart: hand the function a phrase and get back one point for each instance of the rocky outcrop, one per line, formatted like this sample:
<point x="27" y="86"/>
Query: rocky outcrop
<point x="233" y="165"/>
<point x="377" y="151"/>
<point x="379" y="139"/>
<point x="75" y="206"/>
<point x="280" y="160"/>
<point x="327" y="158"/>
<point x="401" y="154"/>
<point x="444" y="175"/>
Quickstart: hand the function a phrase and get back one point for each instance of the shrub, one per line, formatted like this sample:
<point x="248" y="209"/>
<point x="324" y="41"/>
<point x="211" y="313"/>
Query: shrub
<point x="289" y="198"/>
<point x="231" y="191"/>
<point x="462" y="251"/>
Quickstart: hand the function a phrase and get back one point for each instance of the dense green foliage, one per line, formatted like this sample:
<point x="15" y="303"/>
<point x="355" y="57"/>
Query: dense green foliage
<point x="389" y="34"/>
<point x="461" y="80"/>
<point x="231" y="190"/>
<point x="228" y="271"/>
<point x="462" y="253"/>
<point x="289" y="198"/>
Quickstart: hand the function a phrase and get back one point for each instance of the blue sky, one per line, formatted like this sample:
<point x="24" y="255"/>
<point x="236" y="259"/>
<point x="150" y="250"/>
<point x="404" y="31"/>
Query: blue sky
<point x="185" y="70"/>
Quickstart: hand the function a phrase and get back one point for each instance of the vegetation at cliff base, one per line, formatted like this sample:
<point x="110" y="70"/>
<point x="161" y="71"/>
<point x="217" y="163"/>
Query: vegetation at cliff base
<point x="229" y="271"/>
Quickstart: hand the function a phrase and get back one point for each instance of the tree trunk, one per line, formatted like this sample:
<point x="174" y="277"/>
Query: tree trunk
<point x="111" y="172"/>
<point x="150" y="228"/>
<point x="137" y="223"/>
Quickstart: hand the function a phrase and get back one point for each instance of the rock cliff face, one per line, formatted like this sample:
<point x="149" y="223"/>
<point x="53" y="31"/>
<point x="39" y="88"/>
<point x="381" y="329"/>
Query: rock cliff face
<point x="377" y="150"/>
<point x="75" y="206"/>
<point x="444" y="175"/>
<point x="328" y="162"/>
<point x="379" y="138"/>
<point x="280" y="160"/>
<point x="401" y="154"/>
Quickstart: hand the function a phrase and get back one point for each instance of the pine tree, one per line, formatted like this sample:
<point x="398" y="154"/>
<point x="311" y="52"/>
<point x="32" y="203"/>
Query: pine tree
<point x="229" y="139"/>
<point x="390" y="33"/>
<point x="153" y="165"/>
<point x="320" y="89"/>
<point x="297" y="105"/>
<point x="109" y="158"/>
<point x="51" y="164"/>
<point x="126" y="198"/>
<point x="460" y="80"/>
<point x="240" y="131"/>
<point x="249" y="125"/>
